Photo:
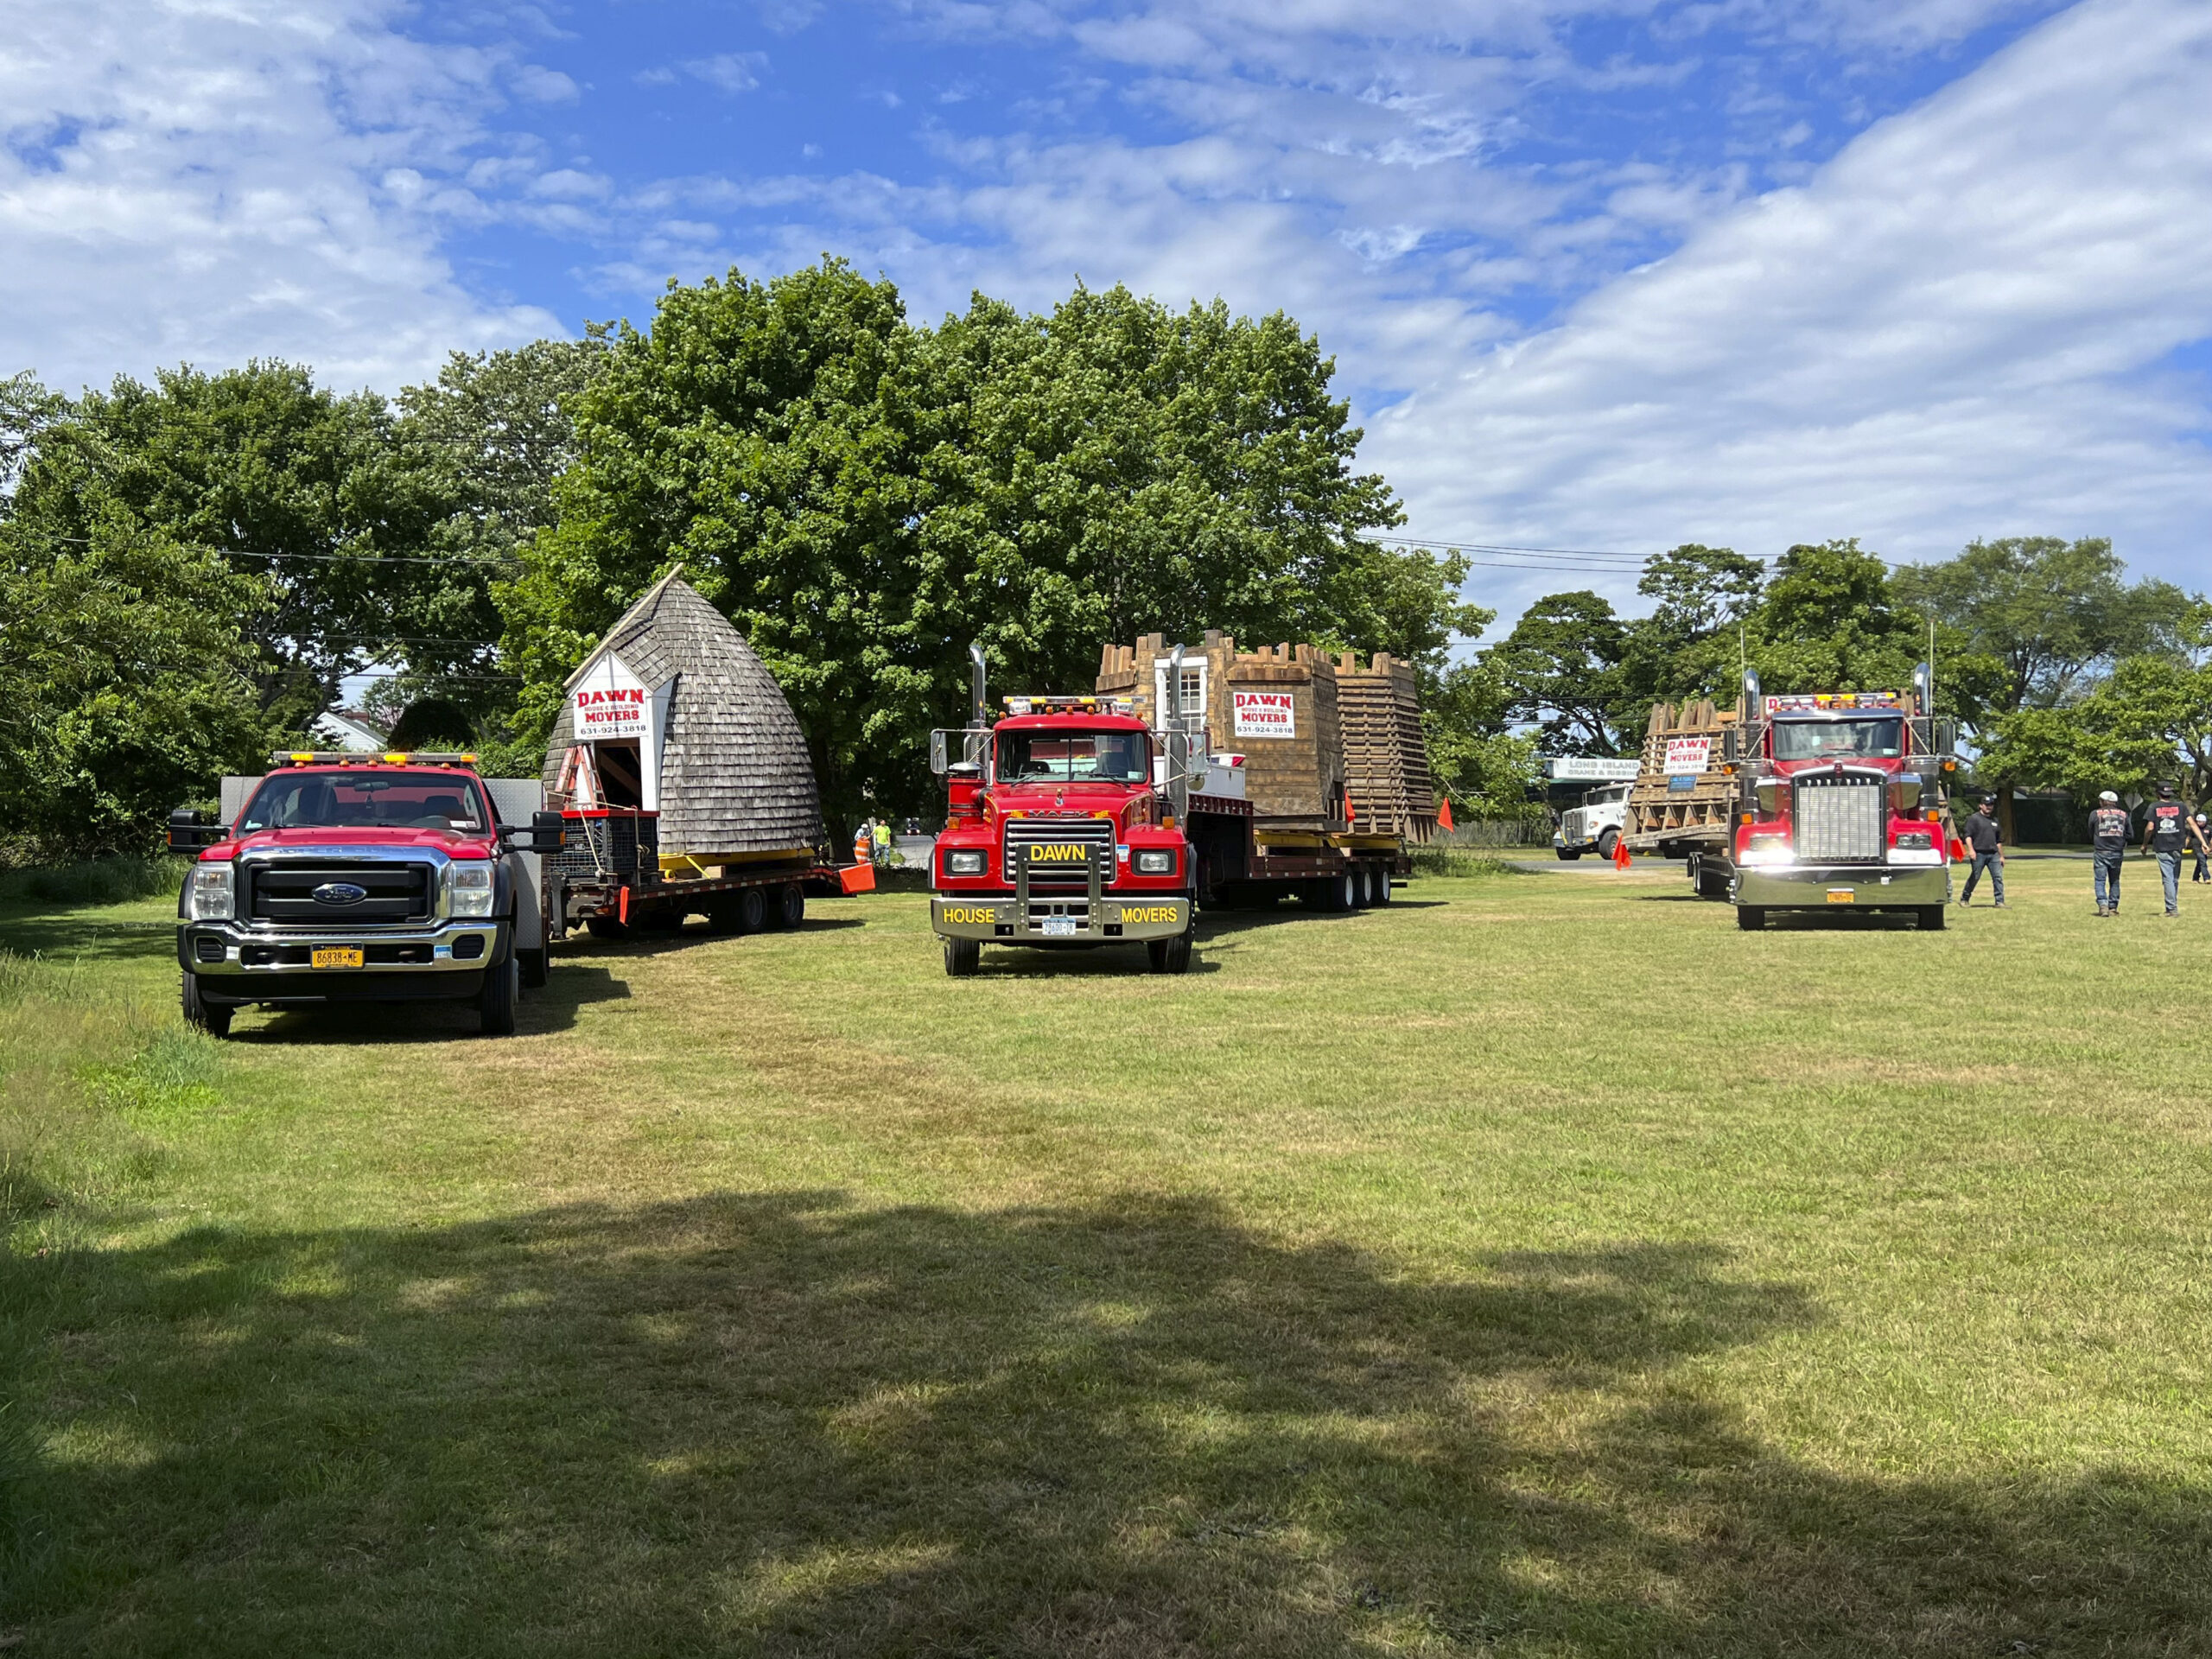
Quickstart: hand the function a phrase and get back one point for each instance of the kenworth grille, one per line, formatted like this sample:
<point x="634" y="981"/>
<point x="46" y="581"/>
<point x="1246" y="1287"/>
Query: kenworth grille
<point x="1837" y="819"/>
<point x="1097" y="834"/>
<point x="285" y="893"/>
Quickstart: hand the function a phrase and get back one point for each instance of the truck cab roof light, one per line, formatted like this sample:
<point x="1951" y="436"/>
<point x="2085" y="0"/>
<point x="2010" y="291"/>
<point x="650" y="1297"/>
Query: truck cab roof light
<point x="354" y="757"/>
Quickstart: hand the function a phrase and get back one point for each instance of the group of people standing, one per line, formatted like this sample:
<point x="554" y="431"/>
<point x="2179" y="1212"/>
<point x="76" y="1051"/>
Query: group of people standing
<point x="2169" y="832"/>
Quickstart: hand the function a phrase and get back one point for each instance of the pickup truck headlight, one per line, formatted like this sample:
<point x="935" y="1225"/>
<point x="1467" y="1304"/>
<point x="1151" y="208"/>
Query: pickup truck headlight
<point x="212" y="896"/>
<point x="1156" y="861"/>
<point x="970" y="862"/>
<point x="471" y="887"/>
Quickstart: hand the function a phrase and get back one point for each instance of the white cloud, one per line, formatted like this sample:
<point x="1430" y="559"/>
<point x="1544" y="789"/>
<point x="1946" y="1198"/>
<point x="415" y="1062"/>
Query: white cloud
<point x="213" y="182"/>
<point x="1950" y="332"/>
<point x="730" y="72"/>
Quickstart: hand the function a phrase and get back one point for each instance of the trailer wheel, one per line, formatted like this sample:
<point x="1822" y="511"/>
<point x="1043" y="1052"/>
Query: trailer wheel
<point x="1931" y="918"/>
<point x="1382" y="885"/>
<point x="1751" y="917"/>
<point x="963" y="956"/>
<point x="606" y="927"/>
<point x="1568" y="855"/>
<point x="1169" y="956"/>
<point x="1607" y="840"/>
<point x="213" y="1018"/>
<point x="495" y="1003"/>
<point x="791" y="905"/>
<point x="534" y="970"/>
<point x="661" y="921"/>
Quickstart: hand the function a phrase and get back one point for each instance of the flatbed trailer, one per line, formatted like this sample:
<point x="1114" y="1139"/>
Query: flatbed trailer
<point x="603" y="881"/>
<point x="1329" y="869"/>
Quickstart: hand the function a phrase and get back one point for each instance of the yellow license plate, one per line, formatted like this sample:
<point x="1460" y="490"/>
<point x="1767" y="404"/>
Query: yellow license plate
<point x="337" y="955"/>
<point x="1841" y="896"/>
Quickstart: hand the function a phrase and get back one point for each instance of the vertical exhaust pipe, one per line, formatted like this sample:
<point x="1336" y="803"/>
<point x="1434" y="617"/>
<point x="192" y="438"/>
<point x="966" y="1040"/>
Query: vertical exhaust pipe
<point x="1754" y="699"/>
<point x="978" y="713"/>
<point x="1923" y="689"/>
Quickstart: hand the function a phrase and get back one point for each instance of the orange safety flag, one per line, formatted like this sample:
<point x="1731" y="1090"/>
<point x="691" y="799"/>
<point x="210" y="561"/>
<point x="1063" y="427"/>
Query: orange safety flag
<point x="1620" y="853"/>
<point x="1351" y="812"/>
<point x="1444" y="814"/>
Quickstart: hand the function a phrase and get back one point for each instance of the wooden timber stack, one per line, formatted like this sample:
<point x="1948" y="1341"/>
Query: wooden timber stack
<point x="1671" y="819"/>
<point x="1386" y="758"/>
<point x="1295" y="782"/>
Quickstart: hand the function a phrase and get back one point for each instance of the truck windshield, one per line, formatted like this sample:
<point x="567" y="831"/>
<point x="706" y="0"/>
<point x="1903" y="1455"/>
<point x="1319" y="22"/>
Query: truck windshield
<point x="1073" y="757"/>
<point x="1839" y="740"/>
<point x="368" y="800"/>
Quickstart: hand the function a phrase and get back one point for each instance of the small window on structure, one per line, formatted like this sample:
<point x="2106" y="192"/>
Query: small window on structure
<point x="623" y="783"/>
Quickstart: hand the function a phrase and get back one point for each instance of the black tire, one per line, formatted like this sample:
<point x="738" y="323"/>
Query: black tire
<point x="790" y="905"/>
<point x="751" y="909"/>
<point x="213" y="1018"/>
<point x="661" y="921"/>
<point x="1608" y="840"/>
<point x="962" y="957"/>
<point x="495" y="1003"/>
<point x="1567" y="856"/>
<point x="606" y="927"/>
<point x="533" y="964"/>
<point x="1169" y="956"/>
<point x="1931" y="918"/>
<point x="1751" y="917"/>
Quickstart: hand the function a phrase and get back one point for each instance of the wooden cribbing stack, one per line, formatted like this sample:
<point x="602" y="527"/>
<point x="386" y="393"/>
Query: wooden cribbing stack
<point x="1340" y="753"/>
<point x="1665" y="818"/>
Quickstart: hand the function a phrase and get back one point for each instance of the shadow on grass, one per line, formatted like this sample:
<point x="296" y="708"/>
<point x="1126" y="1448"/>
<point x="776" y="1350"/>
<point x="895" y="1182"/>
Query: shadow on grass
<point x="783" y="1425"/>
<point x="63" y="937"/>
<point x="552" y="1007"/>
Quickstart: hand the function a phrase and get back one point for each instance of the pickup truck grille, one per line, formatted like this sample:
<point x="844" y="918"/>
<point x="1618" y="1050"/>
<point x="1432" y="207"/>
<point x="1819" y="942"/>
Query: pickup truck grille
<point x="1837" y="820"/>
<point x="284" y="894"/>
<point x="1097" y="834"/>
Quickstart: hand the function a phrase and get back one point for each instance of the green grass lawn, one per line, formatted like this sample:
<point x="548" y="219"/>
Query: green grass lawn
<point x="1538" y="1267"/>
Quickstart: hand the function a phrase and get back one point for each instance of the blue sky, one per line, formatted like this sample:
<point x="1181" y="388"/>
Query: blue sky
<point x="1602" y="274"/>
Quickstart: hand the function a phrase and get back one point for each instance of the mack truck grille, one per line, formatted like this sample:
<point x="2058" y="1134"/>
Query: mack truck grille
<point x="284" y="894"/>
<point x="1837" y="820"/>
<point x="1097" y="834"/>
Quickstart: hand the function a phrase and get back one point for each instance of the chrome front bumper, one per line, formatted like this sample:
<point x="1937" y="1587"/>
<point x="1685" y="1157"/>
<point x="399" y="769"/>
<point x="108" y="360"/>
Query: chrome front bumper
<point x="250" y="952"/>
<point x="1871" y="886"/>
<point x="1078" y="920"/>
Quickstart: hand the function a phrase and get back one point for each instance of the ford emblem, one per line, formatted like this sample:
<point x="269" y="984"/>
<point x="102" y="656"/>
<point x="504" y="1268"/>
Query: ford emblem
<point x="339" y="893"/>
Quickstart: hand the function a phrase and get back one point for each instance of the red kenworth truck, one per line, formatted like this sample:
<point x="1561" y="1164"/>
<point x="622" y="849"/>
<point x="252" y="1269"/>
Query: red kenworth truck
<point x="362" y="878"/>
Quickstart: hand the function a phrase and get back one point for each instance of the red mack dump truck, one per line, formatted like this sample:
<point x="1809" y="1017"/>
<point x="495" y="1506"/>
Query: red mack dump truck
<point x="1809" y="801"/>
<point x="1076" y="822"/>
<point x="362" y="878"/>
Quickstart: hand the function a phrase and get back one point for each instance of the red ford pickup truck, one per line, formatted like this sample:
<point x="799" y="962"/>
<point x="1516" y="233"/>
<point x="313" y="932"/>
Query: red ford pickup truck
<point x="361" y="878"/>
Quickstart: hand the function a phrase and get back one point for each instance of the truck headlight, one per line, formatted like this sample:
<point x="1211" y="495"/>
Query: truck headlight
<point x="212" y="896"/>
<point x="471" y="887"/>
<point x="1159" y="860"/>
<point x="1768" y="850"/>
<point x="1918" y="841"/>
<point x="970" y="862"/>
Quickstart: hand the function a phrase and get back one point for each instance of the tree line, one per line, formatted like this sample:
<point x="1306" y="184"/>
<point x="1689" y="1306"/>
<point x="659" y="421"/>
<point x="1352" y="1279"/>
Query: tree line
<point x="2062" y="672"/>
<point x="191" y="569"/>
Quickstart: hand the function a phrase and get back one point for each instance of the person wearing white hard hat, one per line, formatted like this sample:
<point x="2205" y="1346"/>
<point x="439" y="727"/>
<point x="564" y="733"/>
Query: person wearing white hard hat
<point x="2108" y="851"/>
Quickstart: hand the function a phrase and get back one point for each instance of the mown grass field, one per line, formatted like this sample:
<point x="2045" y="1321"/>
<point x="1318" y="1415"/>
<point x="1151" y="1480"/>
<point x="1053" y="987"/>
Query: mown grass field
<point x="1539" y="1266"/>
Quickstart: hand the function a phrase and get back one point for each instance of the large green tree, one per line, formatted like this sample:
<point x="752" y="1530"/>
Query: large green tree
<point x="293" y="485"/>
<point x="863" y="498"/>
<point x="124" y="681"/>
<point x="1560" y="668"/>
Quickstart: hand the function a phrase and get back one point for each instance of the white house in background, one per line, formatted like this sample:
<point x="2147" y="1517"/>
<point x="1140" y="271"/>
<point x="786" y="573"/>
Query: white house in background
<point x="348" y="728"/>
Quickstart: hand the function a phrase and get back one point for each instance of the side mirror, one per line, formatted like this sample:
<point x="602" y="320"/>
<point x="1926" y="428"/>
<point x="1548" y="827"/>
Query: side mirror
<point x="937" y="761"/>
<point x="544" y="833"/>
<point x="193" y="831"/>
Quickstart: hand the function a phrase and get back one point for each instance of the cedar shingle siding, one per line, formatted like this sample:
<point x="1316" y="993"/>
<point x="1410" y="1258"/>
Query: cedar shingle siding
<point x="733" y="772"/>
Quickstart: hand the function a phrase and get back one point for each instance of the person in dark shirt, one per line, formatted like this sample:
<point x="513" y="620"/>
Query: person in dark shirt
<point x="2165" y="832"/>
<point x="1980" y="834"/>
<point x="2201" y="828"/>
<point x="2107" y="850"/>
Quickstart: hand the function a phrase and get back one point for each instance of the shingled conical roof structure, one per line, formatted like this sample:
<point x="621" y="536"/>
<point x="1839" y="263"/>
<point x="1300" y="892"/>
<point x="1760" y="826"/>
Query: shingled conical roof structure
<point x="734" y="775"/>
